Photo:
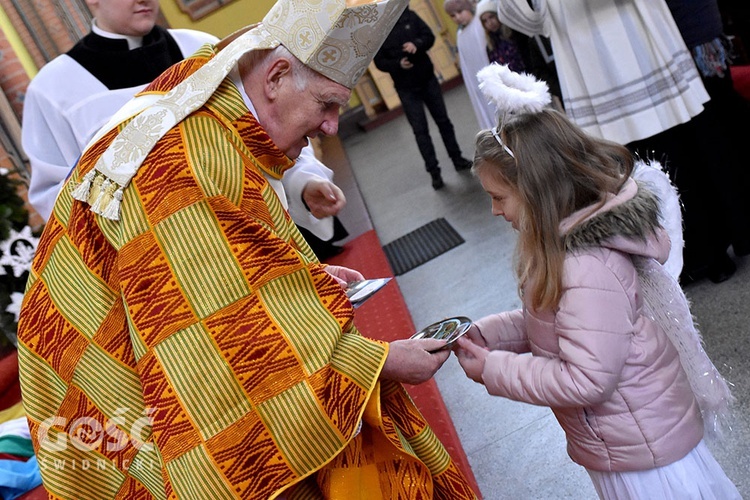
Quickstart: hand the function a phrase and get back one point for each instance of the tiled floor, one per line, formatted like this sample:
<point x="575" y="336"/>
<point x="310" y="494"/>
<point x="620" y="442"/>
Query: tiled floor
<point x="516" y="451"/>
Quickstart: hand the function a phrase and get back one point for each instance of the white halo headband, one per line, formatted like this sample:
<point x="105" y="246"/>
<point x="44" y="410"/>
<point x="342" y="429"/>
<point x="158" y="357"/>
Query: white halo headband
<point x="496" y="135"/>
<point x="512" y="94"/>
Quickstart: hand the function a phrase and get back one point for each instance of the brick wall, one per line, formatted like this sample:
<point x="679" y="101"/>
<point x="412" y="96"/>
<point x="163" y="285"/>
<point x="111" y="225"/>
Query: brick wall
<point x="13" y="77"/>
<point x="53" y="37"/>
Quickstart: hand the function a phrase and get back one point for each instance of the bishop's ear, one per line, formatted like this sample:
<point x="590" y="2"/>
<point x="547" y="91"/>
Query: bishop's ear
<point x="279" y="73"/>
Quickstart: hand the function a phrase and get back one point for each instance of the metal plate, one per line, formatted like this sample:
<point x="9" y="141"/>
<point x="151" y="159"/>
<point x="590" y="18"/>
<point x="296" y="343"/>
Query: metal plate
<point x="450" y="329"/>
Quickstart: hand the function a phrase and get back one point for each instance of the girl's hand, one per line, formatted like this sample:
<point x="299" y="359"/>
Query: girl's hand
<point x="471" y="357"/>
<point x="476" y="336"/>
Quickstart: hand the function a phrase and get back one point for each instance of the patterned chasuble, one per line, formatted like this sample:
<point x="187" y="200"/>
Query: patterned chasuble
<point x="196" y="349"/>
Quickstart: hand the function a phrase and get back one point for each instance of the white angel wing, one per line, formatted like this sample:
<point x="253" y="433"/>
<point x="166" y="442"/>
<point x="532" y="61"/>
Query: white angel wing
<point x="670" y="216"/>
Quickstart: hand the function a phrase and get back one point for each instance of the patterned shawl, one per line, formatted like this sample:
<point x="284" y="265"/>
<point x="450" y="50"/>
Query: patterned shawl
<point x="197" y="349"/>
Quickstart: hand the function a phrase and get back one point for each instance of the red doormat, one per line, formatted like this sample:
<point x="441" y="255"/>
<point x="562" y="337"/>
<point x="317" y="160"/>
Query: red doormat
<point x="385" y="317"/>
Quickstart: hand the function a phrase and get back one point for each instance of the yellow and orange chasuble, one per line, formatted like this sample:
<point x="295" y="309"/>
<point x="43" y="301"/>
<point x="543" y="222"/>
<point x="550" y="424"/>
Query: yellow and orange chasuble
<point x="197" y="349"/>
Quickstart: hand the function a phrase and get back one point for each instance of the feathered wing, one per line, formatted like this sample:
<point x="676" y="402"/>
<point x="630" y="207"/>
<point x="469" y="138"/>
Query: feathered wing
<point x="670" y="213"/>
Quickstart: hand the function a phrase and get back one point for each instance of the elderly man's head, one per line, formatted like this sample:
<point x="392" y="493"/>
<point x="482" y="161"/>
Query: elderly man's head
<point x="299" y="87"/>
<point x="293" y="102"/>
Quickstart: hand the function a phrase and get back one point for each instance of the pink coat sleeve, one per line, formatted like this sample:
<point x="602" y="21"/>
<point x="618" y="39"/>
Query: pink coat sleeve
<point x="504" y="331"/>
<point x="580" y="355"/>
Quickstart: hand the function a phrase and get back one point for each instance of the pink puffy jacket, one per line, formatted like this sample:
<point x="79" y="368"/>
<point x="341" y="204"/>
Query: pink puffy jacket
<point x="611" y="376"/>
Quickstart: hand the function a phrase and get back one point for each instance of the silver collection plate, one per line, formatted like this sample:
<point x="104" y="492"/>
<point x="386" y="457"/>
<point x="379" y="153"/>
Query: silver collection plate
<point x="450" y="329"/>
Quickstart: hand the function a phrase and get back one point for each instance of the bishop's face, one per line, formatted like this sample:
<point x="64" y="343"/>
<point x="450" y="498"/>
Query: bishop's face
<point x="307" y="113"/>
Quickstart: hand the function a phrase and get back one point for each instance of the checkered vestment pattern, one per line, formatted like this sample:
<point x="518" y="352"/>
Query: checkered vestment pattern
<point x="196" y="348"/>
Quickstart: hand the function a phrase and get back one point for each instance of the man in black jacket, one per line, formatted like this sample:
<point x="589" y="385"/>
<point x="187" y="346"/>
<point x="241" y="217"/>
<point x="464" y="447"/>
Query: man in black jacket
<point x="404" y="56"/>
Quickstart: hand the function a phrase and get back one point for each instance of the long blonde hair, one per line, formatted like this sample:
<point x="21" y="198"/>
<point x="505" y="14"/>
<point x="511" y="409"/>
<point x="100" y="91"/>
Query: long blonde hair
<point x="558" y="169"/>
<point x="505" y="32"/>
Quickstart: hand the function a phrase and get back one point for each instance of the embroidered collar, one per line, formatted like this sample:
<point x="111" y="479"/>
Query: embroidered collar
<point x="119" y="163"/>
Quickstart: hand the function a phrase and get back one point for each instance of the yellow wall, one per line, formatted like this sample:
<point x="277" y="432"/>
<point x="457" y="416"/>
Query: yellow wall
<point x="239" y="13"/>
<point x="15" y="42"/>
<point x="221" y="22"/>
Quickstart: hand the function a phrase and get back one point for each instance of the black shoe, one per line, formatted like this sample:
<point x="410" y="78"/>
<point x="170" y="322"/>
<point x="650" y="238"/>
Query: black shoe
<point x="741" y="249"/>
<point x="718" y="271"/>
<point x="721" y="270"/>
<point x="462" y="163"/>
<point x="437" y="180"/>
<point x="326" y="253"/>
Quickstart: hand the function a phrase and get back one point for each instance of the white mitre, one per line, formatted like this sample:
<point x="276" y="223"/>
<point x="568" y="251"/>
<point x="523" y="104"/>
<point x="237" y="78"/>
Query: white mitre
<point x="335" y="38"/>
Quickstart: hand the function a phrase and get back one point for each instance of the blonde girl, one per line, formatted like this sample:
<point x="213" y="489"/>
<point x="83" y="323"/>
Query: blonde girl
<point x="605" y="337"/>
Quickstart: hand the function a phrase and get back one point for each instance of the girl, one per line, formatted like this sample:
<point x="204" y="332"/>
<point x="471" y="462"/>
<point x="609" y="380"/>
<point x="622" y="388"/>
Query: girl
<point x="614" y="352"/>
<point x="504" y="46"/>
<point x="472" y="56"/>
<point x="519" y="52"/>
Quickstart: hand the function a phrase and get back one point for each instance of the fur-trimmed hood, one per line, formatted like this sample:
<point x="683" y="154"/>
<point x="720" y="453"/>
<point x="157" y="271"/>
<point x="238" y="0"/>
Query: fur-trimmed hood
<point x="628" y="222"/>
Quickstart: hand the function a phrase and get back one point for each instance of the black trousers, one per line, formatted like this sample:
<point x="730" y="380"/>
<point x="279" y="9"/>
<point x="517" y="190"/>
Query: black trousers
<point x="321" y="248"/>
<point x="414" y="101"/>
